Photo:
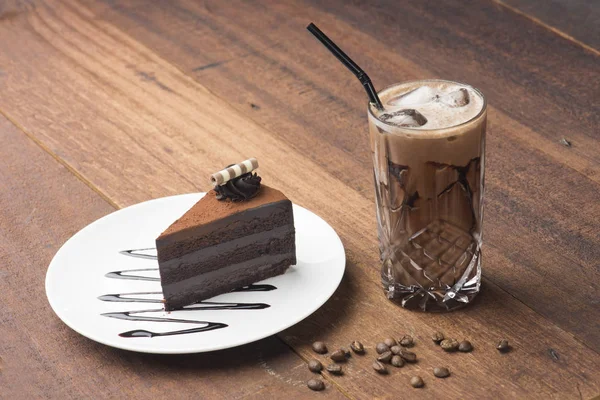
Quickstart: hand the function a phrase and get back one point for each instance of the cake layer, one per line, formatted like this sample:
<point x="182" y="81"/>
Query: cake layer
<point x="224" y="280"/>
<point x="209" y="209"/>
<point x="274" y="241"/>
<point x="251" y="221"/>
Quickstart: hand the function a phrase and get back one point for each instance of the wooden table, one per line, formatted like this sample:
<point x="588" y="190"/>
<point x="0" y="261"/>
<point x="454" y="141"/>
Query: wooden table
<point x="108" y="103"/>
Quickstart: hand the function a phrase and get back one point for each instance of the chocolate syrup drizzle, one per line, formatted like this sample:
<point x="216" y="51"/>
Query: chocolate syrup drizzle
<point x="201" y="306"/>
<point x="120" y="275"/>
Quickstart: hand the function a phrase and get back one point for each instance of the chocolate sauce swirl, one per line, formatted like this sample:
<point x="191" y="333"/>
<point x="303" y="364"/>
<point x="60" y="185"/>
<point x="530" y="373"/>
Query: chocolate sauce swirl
<point x="239" y="189"/>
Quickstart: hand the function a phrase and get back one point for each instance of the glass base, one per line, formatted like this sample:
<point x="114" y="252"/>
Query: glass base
<point x="435" y="295"/>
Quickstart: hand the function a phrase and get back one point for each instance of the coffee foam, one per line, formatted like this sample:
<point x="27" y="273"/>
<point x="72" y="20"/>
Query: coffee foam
<point x="438" y="114"/>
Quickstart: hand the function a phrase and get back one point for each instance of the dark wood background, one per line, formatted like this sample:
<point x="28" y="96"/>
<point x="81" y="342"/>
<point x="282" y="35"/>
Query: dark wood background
<point x="108" y="103"/>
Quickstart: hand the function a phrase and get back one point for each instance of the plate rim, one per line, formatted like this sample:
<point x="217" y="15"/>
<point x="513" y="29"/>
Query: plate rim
<point x="339" y="247"/>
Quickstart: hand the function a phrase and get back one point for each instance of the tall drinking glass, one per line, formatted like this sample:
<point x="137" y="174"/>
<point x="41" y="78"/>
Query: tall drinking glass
<point x="428" y="155"/>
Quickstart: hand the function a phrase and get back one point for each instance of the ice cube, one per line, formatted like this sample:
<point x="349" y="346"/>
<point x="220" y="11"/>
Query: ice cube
<point x="405" y="118"/>
<point x="457" y="98"/>
<point x="420" y="95"/>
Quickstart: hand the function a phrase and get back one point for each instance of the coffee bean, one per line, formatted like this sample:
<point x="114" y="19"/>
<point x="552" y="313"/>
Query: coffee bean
<point x="385" y="357"/>
<point x="503" y="346"/>
<point x="465" y="346"/>
<point x="408" y="356"/>
<point x="357" y="347"/>
<point x="449" y="344"/>
<point x="319" y="347"/>
<point x="397" y="361"/>
<point x="315" y="366"/>
<point x="389" y="342"/>
<point x="417" y="382"/>
<point x="339" y="355"/>
<point x="316" y="385"/>
<point x="437" y="337"/>
<point x="335" y="369"/>
<point x="441" y="372"/>
<point x="396" y="349"/>
<point x="382" y="348"/>
<point x="379" y="367"/>
<point x="407" y="341"/>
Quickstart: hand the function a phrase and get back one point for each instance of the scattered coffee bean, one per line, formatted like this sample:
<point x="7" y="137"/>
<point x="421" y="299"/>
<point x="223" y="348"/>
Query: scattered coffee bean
<point x="408" y="356"/>
<point x="449" y="344"/>
<point x="385" y="357"/>
<point x="407" y="341"/>
<point x="397" y="361"/>
<point x="417" y="382"/>
<point x="315" y="366"/>
<point x="465" y="346"/>
<point x="441" y="372"/>
<point x="316" y="385"/>
<point x="357" y="347"/>
<point x="382" y="348"/>
<point x="396" y="349"/>
<point x="319" y="347"/>
<point x="335" y="369"/>
<point x="338" y="355"/>
<point x="389" y="342"/>
<point x="379" y="367"/>
<point x="503" y="346"/>
<point x="437" y="337"/>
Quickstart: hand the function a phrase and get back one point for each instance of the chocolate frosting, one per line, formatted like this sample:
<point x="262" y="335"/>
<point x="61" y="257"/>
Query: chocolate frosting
<point x="239" y="189"/>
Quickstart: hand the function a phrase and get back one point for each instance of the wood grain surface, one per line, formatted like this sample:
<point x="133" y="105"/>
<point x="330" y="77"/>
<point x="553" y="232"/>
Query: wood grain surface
<point x="533" y="219"/>
<point x="577" y="19"/>
<point x="141" y="101"/>
<point x="41" y="205"/>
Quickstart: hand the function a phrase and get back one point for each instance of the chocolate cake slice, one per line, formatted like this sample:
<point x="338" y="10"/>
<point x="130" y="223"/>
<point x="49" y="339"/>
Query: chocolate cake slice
<point x="221" y="244"/>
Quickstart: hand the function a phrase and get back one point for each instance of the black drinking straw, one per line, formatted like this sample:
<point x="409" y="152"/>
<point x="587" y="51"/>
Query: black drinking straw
<point x="347" y="61"/>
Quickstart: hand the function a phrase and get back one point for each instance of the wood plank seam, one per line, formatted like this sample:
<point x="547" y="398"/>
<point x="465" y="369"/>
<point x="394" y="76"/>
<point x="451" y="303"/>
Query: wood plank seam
<point x="85" y="14"/>
<point x="540" y="314"/>
<point x="106" y="198"/>
<point x="60" y="160"/>
<point x="116" y="206"/>
<point x="496" y="285"/>
<point x="547" y="26"/>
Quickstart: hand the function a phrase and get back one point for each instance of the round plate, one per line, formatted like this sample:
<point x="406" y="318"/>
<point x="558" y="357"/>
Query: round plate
<point x="104" y="284"/>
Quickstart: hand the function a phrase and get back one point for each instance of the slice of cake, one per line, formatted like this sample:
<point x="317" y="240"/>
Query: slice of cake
<point x="237" y="234"/>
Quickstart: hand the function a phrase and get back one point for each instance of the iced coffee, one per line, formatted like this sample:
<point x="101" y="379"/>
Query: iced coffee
<point x="428" y="149"/>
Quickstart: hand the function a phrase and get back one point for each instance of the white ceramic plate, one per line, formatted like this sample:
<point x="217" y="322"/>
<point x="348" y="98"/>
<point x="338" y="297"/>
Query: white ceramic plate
<point x="88" y="289"/>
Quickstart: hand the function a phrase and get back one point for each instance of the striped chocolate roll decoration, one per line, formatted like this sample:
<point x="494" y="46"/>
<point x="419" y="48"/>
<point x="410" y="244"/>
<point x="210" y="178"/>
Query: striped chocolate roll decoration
<point x="234" y="171"/>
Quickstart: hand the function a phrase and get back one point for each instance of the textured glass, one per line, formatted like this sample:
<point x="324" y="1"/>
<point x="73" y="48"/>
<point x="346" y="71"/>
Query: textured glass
<point x="429" y="193"/>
